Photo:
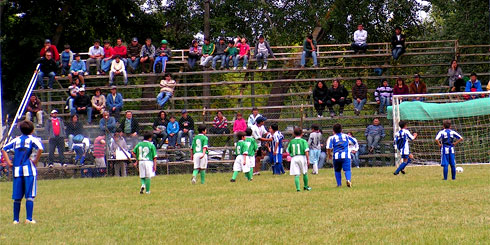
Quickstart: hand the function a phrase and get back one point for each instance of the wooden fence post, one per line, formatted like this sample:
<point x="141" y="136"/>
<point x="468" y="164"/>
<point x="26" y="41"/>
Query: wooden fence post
<point x="302" y="116"/>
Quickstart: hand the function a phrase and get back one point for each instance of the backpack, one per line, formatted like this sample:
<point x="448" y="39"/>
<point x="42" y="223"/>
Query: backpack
<point x="78" y="138"/>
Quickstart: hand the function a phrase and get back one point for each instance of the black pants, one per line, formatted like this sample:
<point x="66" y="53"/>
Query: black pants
<point x="115" y="113"/>
<point x="56" y="142"/>
<point x="319" y="108"/>
<point x="340" y="102"/>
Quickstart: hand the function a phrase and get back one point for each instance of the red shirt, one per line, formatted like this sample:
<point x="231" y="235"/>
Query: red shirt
<point x="119" y="50"/>
<point x="54" y="51"/>
<point x="56" y="126"/>
<point x="108" y="52"/>
<point x="99" y="147"/>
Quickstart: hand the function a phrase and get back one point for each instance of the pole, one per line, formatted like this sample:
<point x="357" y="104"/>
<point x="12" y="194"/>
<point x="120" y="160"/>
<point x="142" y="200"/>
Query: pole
<point x="206" y="90"/>
<point x="1" y="87"/>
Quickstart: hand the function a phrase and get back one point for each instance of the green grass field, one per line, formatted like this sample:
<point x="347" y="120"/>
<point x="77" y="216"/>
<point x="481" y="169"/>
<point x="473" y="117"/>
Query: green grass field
<point x="380" y="208"/>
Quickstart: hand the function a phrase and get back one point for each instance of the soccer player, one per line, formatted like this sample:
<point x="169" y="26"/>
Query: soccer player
<point x="199" y="155"/>
<point x="338" y="149"/>
<point x="240" y="164"/>
<point x="24" y="183"/>
<point x="315" y="146"/>
<point x="401" y="143"/>
<point x="299" y="152"/>
<point x="277" y="149"/>
<point x="447" y="139"/>
<point x="146" y="157"/>
<point x="252" y="149"/>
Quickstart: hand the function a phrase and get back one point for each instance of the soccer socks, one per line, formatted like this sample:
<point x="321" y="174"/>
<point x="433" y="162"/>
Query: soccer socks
<point x="29" y="208"/>
<point x="296" y="182"/>
<point x="315" y="168"/>
<point x="247" y="174"/>
<point x="250" y="174"/>
<point x="142" y="181"/>
<point x="338" y="178"/>
<point x="445" y="170"/>
<point x="147" y="184"/>
<point x="194" y="173"/>
<point x="348" y="175"/>
<point x="305" y="180"/>
<point x="17" y="209"/>
<point x="203" y="176"/>
<point x="402" y="166"/>
<point x="453" y="171"/>
<point x="235" y="174"/>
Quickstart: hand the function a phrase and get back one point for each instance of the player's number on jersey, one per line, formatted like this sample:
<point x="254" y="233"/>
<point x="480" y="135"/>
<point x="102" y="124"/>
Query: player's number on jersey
<point x="143" y="152"/>
<point x="238" y="150"/>
<point x="296" y="148"/>
<point x="198" y="145"/>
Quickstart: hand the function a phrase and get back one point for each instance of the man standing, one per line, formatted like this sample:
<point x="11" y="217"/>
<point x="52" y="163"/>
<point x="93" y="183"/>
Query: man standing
<point x="56" y="133"/>
<point x="417" y="87"/>
<point x="186" y="126"/>
<point x="374" y="133"/>
<point x="360" y="38"/>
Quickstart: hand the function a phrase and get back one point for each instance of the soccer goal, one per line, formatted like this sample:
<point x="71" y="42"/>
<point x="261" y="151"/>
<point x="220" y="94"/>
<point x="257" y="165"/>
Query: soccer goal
<point x="469" y="114"/>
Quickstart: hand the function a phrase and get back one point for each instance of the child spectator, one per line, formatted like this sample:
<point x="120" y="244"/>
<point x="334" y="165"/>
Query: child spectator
<point x="66" y="60"/>
<point x="167" y="87"/>
<point x="77" y="70"/>
<point x="277" y="149"/>
<point x="207" y="52"/>
<point x="80" y="146"/>
<point x="195" y="52"/>
<point x="172" y="131"/>
<point x="315" y="146"/>
<point x="354" y="150"/>
<point x="220" y="53"/>
<point x="239" y="125"/>
<point x="383" y="96"/>
<point x="262" y="51"/>
<point x="231" y="52"/>
<point x="4" y="168"/>
<point x="243" y="53"/>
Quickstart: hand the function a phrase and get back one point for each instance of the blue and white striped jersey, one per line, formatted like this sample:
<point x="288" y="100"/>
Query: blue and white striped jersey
<point x="277" y="137"/>
<point x="401" y="141"/>
<point x="340" y="145"/>
<point x="23" y="147"/>
<point x="447" y="138"/>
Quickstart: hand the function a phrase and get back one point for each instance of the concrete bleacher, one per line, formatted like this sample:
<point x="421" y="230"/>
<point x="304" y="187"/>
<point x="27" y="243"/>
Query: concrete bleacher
<point x="241" y="90"/>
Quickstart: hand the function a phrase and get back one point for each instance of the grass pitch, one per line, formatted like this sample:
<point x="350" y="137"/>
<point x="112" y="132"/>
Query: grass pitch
<point x="380" y="208"/>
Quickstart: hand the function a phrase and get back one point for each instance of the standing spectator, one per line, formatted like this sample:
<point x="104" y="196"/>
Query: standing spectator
<point x="253" y="117"/>
<point x="455" y="74"/>
<point x="48" y="47"/>
<point x="96" y="54"/>
<point x="56" y="134"/>
<point x="107" y="124"/>
<point x="162" y="55"/>
<point x="77" y="70"/>
<point x="66" y="59"/>
<point x="47" y="68"/>
<point x="309" y="50"/>
<point x="120" y="50"/>
<point x="220" y="124"/>
<point x="207" y="52"/>
<point x="243" y="53"/>
<point x="117" y="69"/>
<point x="160" y="129"/>
<point x="99" y="151"/>
<point x="133" y="54"/>
<point x="34" y="109"/>
<point x="119" y="147"/>
<point x="239" y="125"/>
<point x="262" y="51"/>
<point x="114" y="103"/>
<point x="220" y="53"/>
<point x="195" y="52"/>
<point x="383" y="96"/>
<point x="108" y="57"/>
<point x="397" y="43"/>
<point x="74" y="128"/>
<point x="98" y="102"/>
<point x="354" y="150"/>
<point x="374" y="133"/>
<point x="172" y="132"/>
<point x="359" y="96"/>
<point x="360" y="38"/>
<point x="400" y="87"/>
<point x="186" y="128"/>
<point x="147" y="56"/>
<point x="473" y="85"/>
<point x="130" y="128"/>
<point x="320" y="98"/>
<point x="337" y="94"/>
<point x="231" y="53"/>
<point x="417" y="87"/>
<point x="82" y="105"/>
<point x="167" y="87"/>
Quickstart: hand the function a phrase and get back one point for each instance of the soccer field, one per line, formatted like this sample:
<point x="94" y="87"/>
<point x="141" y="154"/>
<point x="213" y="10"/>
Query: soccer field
<point x="380" y="208"/>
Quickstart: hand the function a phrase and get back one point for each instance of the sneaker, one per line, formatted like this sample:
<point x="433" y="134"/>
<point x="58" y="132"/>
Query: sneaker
<point x="341" y="114"/>
<point x="193" y="180"/>
<point x="357" y="166"/>
<point x="15" y="222"/>
<point x="395" y="173"/>
<point x="142" y="190"/>
<point x="244" y="68"/>
<point x="98" y="73"/>
<point x="297" y="190"/>
<point x="319" y="116"/>
<point x="307" y="188"/>
<point x="265" y="67"/>
<point x="30" y="221"/>
<point x="65" y="165"/>
<point x="403" y="171"/>
<point x="50" y="165"/>
<point x="259" y="68"/>
<point x="357" y="112"/>
<point x="147" y="192"/>
<point x="234" y="68"/>
<point x="66" y="107"/>
<point x="86" y="73"/>
<point x="348" y="183"/>
<point x="232" y="180"/>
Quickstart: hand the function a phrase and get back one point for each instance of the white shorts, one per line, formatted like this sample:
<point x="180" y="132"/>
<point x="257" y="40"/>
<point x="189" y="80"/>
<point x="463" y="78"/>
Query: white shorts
<point x="240" y="166"/>
<point x="251" y="161"/>
<point x="298" y="165"/>
<point x="200" y="163"/>
<point x="146" y="169"/>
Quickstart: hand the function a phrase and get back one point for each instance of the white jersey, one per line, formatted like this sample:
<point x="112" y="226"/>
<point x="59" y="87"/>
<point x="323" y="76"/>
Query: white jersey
<point x="258" y="132"/>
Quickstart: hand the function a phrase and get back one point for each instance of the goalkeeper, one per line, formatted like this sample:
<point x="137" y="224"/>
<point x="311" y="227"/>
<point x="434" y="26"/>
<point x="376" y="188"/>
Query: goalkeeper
<point x="447" y="139"/>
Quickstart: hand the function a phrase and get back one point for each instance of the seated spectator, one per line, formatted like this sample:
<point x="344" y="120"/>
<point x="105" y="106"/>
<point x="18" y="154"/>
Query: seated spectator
<point x="239" y="125"/>
<point x="397" y="43"/>
<point x="130" y="128"/>
<point x="207" y="52"/>
<point x="220" y="125"/>
<point x="114" y="103"/>
<point x="48" y="47"/>
<point x="160" y="129"/>
<point x="374" y="133"/>
<point x="81" y="145"/>
<point x="120" y="50"/>
<point x="96" y="54"/>
<point x="219" y="53"/>
<point x="147" y="56"/>
<point x="82" y="105"/>
<point x="34" y="109"/>
<point x="73" y="90"/>
<point x="360" y="38"/>
<point x="119" y="151"/>
<point x="186" y="128"/>
<point x="320" y="97"/>
<point x="118" y="69"/>
<point x="354" y="151"/>
<point x="456" y="81"/>
<point x="309" y="50"/>
<point x="55" y="129"/>
<point x="98" y="102"/>
<point x="99" y="151"/>
<point x="337" y="95"/>
<point x="108" y="57"/>
<point x="383" y="96"/>
<point x="4" y="168"/>
<point x="243" y="53"/>
<point x="167" y="87"/>
<point x="162" y="55"/>
<point x="359" y="96"/>
<point x="417" y="87"/>
<point x="231" y="53"/>
<point x="66" y="59"/>
<point x="400" y="87"/>
<point x="253" y="117"/>
<point x="73" y="128"/>
<point x="107" y="124"/>
<point x="77" y="70"/>
<point x="262" y="51"/>
<point x="195" y="52"/>
<point x="47" y="68"/>
<point x="133" y="54"/>
<point x="172" y="133"/>
<point x="473" y="85"/>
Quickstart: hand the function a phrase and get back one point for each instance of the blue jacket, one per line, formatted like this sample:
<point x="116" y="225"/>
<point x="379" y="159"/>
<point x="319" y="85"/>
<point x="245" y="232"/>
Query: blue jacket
<point x="476" y="85"/>
<point x="118" y="103"/>
<point x="375" y="130"/>
<point x="110" y="124"/>
<point x="172" y="128"/>
<point x="78" y="66"/>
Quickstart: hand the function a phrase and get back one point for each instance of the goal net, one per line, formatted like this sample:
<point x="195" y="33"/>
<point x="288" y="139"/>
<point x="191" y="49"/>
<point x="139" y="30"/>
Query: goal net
<point x="469" y="114"/>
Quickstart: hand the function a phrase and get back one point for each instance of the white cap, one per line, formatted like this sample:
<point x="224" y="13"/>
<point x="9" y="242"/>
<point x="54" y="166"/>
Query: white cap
<point x="54" y="111"/>
<point x="81" y="90"/>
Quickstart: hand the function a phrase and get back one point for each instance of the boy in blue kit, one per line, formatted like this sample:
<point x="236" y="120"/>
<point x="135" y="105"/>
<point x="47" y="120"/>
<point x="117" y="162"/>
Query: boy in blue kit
<point x="338" y="149"/>
<point x="24" y="170"/>
<point x="447" y="139"/>
<point x="276" y="150"/>
<point x="401" y="143"/>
